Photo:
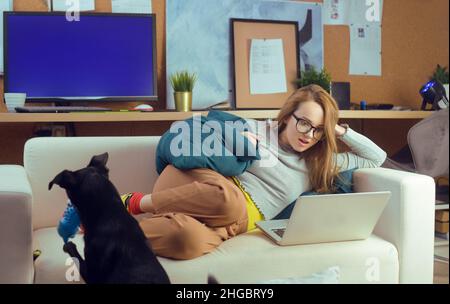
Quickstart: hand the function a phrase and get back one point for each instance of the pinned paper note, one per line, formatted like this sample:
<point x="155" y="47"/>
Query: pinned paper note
<point x="74" y="5"/>
<point x="267" y="67"/>
<point x="346" y="12"/>
<point x="335" y="12"/>
<point x="365" y="49"/>
<point x="132" y="6"/>
<point x="364" y="19"/>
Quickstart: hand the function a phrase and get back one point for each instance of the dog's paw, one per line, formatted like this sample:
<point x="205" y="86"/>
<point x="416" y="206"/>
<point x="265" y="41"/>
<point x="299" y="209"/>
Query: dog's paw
<point x="212" y="279"/>
<point x="70" y="248"/>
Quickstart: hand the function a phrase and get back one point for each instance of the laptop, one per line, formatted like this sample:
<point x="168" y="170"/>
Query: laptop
<point x="328" y="218"/>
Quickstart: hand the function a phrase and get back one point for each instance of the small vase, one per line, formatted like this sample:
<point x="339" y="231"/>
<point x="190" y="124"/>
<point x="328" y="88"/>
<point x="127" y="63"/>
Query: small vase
<point x="446" y="89"/>
<point x="183" y="101"/>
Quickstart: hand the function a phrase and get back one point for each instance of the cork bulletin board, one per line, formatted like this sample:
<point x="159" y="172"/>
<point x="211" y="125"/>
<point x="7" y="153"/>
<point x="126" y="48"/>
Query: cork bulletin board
<point x="243" y="31"/>
<point x="414" y="39"/>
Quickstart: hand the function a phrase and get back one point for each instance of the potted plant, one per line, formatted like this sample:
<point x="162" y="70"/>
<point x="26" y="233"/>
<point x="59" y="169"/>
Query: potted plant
<point x="441" y="74"/>
<point x="183" y="84"/>
<point x="312" y="76"/>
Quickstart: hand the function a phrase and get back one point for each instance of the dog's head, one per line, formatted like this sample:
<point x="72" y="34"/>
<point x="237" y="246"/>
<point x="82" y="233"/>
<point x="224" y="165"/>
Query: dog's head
<point x="86" y="184"/>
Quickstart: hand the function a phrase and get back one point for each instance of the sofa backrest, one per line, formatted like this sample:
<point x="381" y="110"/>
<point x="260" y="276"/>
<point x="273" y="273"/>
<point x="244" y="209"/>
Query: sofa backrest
<point x="131" y="163"/>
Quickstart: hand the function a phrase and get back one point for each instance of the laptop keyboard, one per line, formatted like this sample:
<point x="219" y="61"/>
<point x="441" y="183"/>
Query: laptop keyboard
<point x="279" y="231"/>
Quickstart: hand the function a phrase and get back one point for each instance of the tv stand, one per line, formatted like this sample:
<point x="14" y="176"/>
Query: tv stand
<point x="60" y="109"/>
<point x="63" y="104"/>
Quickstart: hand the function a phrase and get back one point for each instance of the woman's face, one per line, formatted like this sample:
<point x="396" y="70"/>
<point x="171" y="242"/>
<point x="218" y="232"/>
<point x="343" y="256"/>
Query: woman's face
<point x="310" y="113"/>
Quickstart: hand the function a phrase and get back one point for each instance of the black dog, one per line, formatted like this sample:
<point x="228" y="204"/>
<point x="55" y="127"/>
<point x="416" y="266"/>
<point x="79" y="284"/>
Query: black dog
<point x="116" y="250"/>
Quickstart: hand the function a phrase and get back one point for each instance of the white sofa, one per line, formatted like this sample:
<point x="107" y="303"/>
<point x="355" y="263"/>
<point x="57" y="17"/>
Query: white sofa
<point x="399" y="251"/>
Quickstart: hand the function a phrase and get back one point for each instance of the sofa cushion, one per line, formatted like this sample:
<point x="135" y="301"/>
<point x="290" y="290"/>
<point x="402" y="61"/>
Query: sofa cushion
<point x="249" y="258"/>
<point x="328" y="276"/>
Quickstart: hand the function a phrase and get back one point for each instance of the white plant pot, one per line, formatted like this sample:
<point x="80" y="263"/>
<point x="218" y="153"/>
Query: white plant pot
<point x="446" y="89"/>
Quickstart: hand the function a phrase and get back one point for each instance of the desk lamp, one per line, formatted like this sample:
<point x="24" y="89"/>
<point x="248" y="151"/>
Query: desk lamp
<point x="433" y="93"/>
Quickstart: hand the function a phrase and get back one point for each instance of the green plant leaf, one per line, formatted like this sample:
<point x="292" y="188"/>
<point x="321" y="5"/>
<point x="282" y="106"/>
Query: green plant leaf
<point x="440" y="74"/>
<point x="311" y="76"/>
<point x="183" y="81"/>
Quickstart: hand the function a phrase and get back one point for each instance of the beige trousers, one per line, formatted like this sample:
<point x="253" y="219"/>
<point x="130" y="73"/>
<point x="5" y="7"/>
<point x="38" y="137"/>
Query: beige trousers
<point x="195" y="211"/>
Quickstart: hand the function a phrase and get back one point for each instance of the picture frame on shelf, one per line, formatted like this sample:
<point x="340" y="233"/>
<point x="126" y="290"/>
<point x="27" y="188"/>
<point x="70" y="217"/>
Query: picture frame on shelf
<point x="248" y="43"/>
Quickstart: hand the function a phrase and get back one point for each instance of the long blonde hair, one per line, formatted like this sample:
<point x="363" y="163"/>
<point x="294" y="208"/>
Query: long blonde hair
<point x="320" y="158"/>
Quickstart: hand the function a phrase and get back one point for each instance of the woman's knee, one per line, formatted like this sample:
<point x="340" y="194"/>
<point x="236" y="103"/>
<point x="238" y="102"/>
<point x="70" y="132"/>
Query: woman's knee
<point x="173" y="235"/>
<point x="187" y="243"/>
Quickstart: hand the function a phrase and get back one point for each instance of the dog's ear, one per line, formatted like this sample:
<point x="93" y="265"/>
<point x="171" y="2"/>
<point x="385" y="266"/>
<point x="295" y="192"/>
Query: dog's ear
<point x="99" y="161"/>
<point x="66" y="179"/>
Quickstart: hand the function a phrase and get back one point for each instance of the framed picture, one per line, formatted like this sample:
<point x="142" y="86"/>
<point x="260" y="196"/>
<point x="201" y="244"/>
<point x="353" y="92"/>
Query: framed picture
<point x="265" y="61"/>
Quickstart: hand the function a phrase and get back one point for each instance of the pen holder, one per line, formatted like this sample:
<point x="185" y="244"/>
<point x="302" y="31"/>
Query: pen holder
<point x="14" y="100"/>
<point x="183" y="101"/>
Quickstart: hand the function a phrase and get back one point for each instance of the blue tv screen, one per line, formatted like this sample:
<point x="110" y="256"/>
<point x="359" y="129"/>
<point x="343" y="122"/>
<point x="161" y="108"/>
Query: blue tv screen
<point x="101" y="56"/>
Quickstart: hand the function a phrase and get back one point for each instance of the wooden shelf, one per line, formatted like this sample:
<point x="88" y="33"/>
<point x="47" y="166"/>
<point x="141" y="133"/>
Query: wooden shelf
<point x="441" y="253"/>
<point x="174" y="116"/>
<point x="440" y="241"/>
<point x="384" y="114"/>
<point x="443" y="206"/>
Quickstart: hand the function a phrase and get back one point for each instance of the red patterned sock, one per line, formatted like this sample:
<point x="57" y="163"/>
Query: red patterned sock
<point x="135" y="202"/>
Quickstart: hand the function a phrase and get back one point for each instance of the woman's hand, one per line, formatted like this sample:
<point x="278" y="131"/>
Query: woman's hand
<point x="340" y="131"/>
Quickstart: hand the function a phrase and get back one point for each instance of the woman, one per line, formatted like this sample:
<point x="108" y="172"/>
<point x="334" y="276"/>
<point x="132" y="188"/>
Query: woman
<point x="194" y="211"/>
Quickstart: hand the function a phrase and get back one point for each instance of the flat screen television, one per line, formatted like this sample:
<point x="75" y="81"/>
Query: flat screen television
<point x="101" y="57"/>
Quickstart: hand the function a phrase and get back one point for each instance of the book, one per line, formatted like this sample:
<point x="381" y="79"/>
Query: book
<point x="441" y="227"/>
<point x="441" y="253"/>
<point x="443" y="236"/>
<point x="442" y="215"/>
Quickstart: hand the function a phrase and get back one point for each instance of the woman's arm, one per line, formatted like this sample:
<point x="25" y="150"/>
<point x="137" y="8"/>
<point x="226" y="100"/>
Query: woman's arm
<point x="364" y="152"/>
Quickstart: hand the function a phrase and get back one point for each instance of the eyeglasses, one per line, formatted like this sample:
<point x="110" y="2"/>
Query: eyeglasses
<point x="304" y="127"/>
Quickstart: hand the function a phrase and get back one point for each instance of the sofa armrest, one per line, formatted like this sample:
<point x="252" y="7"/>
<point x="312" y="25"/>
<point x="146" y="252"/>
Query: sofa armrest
<point x="408" y="219"/>
<point x="16" y="261"/>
